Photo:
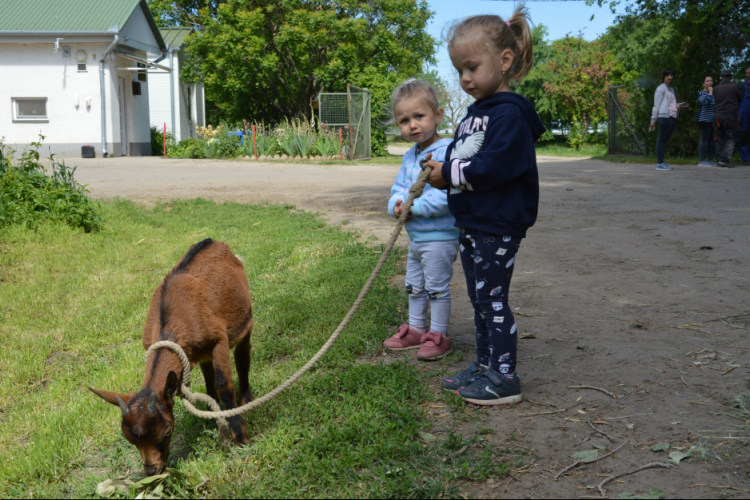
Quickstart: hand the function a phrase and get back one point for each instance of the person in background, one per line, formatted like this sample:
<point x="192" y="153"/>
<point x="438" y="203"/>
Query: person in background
<point x="728" y="96"/>
<point x="705" y="122"/>
<point x="665" y="112"/>
<point x="744" y="122"/>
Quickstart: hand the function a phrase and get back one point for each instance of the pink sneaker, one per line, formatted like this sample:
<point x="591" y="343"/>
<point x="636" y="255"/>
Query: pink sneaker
<point x="435" y="346"/>
<point x="406" y="338"/>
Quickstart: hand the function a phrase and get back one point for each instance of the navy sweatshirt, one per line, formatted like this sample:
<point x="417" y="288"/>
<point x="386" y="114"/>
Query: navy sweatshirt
<point x="491" y="166"/>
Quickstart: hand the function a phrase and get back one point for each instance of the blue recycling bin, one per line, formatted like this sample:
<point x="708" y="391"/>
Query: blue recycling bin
<point x="237" y="133"/>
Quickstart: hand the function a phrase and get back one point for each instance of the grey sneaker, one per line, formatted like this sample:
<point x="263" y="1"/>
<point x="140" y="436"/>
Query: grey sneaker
<point x="466" y="377"/>
<point x="726" y="164"/>
<point x="663" y="166"/>
<point x="492" y="389"/>
<point x="705" y="163"/>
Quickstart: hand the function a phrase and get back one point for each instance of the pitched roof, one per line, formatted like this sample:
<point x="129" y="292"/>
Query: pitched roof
<point x="71" y="15"/>
<point x="174" y="37"/>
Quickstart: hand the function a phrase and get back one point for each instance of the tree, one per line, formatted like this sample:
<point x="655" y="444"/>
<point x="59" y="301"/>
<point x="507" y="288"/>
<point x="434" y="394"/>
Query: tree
<point x="265" y="59"/>
<point x="582" y="72"/>
<point x="180" y="12"/>
<point x="532" y="87"/>
<point x="454" y="101"/>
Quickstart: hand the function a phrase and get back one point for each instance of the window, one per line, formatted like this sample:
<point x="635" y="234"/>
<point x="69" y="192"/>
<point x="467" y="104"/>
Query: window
<point x="136" y="88"/>
<point x="81" y="67"/>
<point x="30" y="109"/>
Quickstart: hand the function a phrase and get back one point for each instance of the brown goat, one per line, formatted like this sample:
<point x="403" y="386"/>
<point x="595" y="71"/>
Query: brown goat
<point x="204" y="306"/>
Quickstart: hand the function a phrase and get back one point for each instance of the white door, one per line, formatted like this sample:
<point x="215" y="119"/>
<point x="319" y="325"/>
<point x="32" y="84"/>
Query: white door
<point x="123" y="118"/>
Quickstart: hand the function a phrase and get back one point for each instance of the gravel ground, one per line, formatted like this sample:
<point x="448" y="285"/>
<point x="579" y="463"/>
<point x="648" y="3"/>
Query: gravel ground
<point x="632" y="280"/>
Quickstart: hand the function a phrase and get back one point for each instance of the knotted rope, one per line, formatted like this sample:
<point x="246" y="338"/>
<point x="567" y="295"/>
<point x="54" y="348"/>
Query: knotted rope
<point x="189" y="398"/>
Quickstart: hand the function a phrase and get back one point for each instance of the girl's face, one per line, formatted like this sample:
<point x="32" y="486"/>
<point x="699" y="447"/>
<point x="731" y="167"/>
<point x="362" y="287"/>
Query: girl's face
<point x="708" y="82"/>
<point x="668" y="80"/>
<point x="417" y="120"/>
<point x="480" y="70"/>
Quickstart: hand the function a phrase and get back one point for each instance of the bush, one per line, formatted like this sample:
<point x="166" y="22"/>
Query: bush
<point x="157" y="142"/>
<point x="28" y="196"/>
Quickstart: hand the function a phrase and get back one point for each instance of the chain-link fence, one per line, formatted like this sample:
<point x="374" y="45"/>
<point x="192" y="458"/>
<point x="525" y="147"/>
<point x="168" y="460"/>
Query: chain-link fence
<point x="349" y="112"/>
<point x="621" y="138"/>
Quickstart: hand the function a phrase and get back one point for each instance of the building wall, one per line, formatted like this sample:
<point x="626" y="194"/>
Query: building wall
<point x="190" y="106"/>
<point x="158" y="99"/>
<point x="34" y="70"/>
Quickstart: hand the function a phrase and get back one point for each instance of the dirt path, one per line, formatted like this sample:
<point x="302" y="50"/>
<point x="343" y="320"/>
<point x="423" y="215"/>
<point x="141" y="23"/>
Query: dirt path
<point x="633" y="280"/>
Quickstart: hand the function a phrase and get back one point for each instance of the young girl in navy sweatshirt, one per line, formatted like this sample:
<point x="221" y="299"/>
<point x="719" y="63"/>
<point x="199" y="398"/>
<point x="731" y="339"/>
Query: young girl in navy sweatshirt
<point x="493" y="191"/>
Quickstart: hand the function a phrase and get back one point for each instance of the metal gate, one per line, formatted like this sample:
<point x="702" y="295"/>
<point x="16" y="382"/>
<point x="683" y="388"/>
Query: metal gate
<point x="621" y="138"/>
<point x="349" y="112"/>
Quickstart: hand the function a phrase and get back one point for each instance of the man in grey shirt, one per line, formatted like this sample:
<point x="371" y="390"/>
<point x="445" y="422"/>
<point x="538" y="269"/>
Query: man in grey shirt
<point x="728" y="96"/>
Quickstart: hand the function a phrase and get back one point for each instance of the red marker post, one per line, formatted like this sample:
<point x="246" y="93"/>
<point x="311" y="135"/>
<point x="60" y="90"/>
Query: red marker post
<point x="341" y="144"/>
<point x="255" y="144"/>
<point x="165" y="140"/>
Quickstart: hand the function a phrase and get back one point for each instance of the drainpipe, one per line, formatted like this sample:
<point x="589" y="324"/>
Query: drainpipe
<point x="171" y="92"/>
<point x="102" y="95"/>
<point x="163" y="56"/>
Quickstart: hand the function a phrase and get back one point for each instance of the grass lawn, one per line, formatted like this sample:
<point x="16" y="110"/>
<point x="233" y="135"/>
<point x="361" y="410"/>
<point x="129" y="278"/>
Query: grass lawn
<point x="561" y="148"/>
<point x="72" y="308"/>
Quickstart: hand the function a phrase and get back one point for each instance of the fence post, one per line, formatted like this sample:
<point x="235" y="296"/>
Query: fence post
<point x="255" y="144"/>
<point x="341" y="144"/>
<point x="165" y="139"/>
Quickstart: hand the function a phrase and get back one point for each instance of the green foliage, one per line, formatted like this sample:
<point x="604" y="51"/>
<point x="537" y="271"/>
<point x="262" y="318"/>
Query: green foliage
<point x="532" y="87"/>
<point x="267" y="60"/>
<point x="581" y="73"/>
<point x="157" y="141"/>
<point x="28" y="196"/>
<point x="327" y="142"/>
<point x="186" y="148"/>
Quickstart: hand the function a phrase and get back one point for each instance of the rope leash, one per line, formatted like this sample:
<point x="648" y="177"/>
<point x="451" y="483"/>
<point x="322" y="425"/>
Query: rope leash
<point x="189" y="398"/>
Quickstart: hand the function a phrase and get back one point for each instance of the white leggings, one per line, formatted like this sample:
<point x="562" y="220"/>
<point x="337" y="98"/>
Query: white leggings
<point x="429" y="269"/>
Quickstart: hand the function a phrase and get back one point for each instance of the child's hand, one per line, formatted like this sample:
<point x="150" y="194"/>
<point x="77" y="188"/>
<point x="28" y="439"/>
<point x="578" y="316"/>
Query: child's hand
<point x="436" y="177"/>
<point x="398" y="210"/>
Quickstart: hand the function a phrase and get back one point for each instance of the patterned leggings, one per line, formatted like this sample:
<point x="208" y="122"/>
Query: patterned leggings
<point x="488" y="260"/>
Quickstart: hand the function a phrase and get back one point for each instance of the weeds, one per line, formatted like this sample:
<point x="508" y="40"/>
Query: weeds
<point x="28" y="196"/>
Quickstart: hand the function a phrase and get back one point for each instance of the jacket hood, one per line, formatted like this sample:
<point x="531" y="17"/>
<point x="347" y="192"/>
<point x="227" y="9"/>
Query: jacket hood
<point x="523" y="104"/>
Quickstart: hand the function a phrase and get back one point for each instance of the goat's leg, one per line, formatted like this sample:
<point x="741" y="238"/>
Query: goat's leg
<point x="225" y="388"/>
<point x="207" y="367"/>
<point x="242" y="355"/>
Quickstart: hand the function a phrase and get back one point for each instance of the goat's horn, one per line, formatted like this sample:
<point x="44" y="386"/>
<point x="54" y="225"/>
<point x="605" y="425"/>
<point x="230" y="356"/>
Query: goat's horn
<point x="152" y="404"/>
<point x="123" y="407"/>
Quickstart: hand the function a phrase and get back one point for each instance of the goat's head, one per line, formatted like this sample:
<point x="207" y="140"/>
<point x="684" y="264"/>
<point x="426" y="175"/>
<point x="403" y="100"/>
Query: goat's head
<point x="147" y="421"/>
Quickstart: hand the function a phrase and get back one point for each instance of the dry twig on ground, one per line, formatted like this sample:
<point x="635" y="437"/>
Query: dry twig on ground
<point x="652" y="465"/>
<point x="605" y="391"/>
<point x="601" y="432"/>
<point x="578" y="462"/>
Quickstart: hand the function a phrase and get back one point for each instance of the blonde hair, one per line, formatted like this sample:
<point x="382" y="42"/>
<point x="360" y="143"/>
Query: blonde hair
<point x="514" y="35"/>
<point x="412" y="88"/>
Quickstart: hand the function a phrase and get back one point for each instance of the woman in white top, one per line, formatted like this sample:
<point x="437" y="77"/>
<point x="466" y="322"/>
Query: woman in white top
<point x="665" y="112"/>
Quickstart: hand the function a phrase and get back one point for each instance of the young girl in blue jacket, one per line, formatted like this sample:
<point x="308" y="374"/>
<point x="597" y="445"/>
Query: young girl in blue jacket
<point x="432" y="233"/>
<point x="491" y="176"/>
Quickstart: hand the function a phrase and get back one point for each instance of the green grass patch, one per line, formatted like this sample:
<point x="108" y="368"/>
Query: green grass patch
<point x="561" y="148"/>
<point x="72" y="308"/>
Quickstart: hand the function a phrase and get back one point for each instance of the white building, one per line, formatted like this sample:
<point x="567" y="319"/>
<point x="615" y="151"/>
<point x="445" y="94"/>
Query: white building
<point x="75" y="72"/>
<point x="183" y="108"/>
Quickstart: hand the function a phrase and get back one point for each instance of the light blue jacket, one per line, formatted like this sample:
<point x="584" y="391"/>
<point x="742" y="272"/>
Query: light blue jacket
<point x="431" y="218"/>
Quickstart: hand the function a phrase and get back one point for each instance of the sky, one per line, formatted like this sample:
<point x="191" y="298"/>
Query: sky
<point x="560" y="18"/>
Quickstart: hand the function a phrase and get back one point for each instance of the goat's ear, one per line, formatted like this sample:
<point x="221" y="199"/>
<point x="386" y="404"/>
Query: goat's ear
<point x="111" y="397"/>
<point x="170" y="389"/>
